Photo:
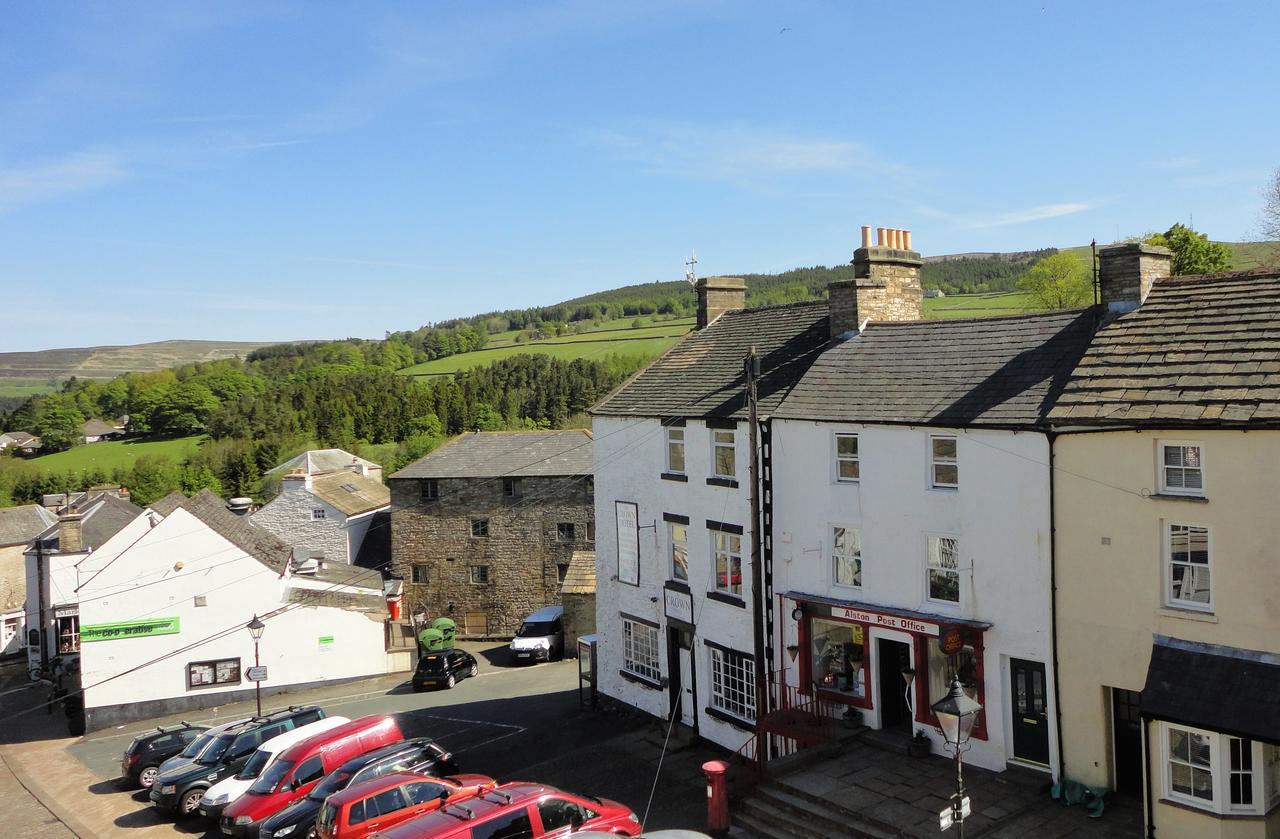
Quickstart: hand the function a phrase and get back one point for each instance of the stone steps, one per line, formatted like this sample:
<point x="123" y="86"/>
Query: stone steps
<point x="778" y="812"/>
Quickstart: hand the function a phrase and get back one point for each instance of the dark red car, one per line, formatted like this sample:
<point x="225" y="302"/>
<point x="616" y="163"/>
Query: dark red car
<point x="384" y="802"/>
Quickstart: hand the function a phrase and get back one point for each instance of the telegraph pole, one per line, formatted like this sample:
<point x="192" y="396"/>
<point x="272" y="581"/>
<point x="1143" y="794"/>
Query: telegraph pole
<point x="752" y="369"/>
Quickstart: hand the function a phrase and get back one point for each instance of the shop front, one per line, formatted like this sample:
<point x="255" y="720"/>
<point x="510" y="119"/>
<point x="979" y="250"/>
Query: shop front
<point x="891" y="664"/>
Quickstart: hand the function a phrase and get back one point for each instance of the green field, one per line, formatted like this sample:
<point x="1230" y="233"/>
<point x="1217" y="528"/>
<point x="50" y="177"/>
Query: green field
<point x="23" y="387"/>
<point x="1244" y="255"/>
<point x="977" y="305"/>
<point x="112" y="453"/>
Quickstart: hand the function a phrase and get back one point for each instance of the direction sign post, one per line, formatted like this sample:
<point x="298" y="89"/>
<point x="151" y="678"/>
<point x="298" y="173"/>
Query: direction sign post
<point x="256" y="674"/>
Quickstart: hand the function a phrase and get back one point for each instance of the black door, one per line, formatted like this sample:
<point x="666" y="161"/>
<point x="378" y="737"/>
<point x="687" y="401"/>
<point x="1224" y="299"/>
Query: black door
<point x="1030" y="710"/>
<point x="1126" y="725"/>
<point x="895" y="657"/>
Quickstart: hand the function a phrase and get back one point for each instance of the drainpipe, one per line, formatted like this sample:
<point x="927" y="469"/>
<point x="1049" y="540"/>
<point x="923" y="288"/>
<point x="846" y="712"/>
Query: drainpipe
<point x="44" y="642"/>
<point x="752" y="370"/>
<point x="1053" y="607"/>
<point x="1148" y="811"/>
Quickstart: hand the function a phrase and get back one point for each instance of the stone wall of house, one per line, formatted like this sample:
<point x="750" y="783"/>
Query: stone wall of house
<point x="13" y="578"/>
<point x="887" y="284"/>
<point x="717" y="295"/>
<point x="579" y="619"/>
<point x="288" y="516"/>
<point x="1126" y="272"/>
<point x="523" y="552"/>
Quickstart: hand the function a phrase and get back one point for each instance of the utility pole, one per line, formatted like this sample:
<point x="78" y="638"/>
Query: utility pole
<point x="752" y="369"/>
<point x="44" y="643"/>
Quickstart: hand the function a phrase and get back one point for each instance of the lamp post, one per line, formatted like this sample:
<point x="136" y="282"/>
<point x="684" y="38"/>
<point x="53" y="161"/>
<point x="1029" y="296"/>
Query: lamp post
<point x="956" y="713"/>
<point x="255" y="628"/>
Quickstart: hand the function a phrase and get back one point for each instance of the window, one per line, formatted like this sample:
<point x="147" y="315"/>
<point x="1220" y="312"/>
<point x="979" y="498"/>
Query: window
<point x="317" y="514"/>
<point x="222" y="672"/>
<point x="943" y="571"/>
<point x="1187" y="558"/>
<point x="847" y="468"/>
<point x="1190" y="763"/>
<point x="640" y="649"/>
<point x="480" y="574"/>
<point x="566" y="532"/>
<point x="479" y="528"/>
<point x="311" y="769"/>
<point x="846" y="556"/>
<point x="733" y="683"/>
<point x="1181" y="469"/>
<point x="675" y="450"/>
<point x="68" y="634"/>
<point x="591" y="532"/>
<point x="1271" y="766"/>
<point x="515" y="825"/>
<point x="562" y="571"/>
<point x="512" y="487"/>
<point x="1218" y="772"/>
<point x="590" y="486"/>
<point x="421" y="574"/>
<point x="679" y="537"/>
<point x="838" y="656"/>
<point x="723" y="463"/>
<point x="945" y="473"/>
<point x="728" y="553"/>
<point x="1241" y="768"/>
<point x="430" y="489"/>
<point x="423" y="792"/>
<point x="557" y="813"/>
<point x="962" y="665"/>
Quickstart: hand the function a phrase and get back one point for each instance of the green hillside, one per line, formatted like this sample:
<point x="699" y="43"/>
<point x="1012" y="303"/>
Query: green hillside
<point x="110" y="454"/>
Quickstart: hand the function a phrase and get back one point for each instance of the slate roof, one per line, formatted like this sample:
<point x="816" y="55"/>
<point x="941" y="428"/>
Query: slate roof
<point x="319" y="461"/>
<point x="373" y="603"/>
<point x="103" y="515"/>
<point x="1219" y="688"/>
<point x="169" y="503"/>
<point x="350" y="493"/>
<point x="19" y="525"/>
<point x="18" y="438"/>
<point x="703" y="376"/>
<point x="340" y="573"/>
<point x="995" y="371"/>
<point x="1200" y="351"/>
<point x="97" y="428"/>
<point x="580" y="578"/>
<point x="488" y="454"/>
<point x="256" y="542"/>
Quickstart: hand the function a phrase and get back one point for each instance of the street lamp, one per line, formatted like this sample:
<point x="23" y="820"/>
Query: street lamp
<point x="255" y="628"/>
<point x="956" y="713"/>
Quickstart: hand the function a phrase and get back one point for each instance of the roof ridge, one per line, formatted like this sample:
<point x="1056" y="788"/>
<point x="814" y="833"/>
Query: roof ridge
<point x="1047" y="313"/>
<point x="774" y="307"/>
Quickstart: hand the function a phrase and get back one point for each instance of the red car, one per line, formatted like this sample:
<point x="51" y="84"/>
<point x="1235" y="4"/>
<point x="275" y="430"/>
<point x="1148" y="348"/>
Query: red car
<point x="380" y="803"/>
<point x="519" y="810"/>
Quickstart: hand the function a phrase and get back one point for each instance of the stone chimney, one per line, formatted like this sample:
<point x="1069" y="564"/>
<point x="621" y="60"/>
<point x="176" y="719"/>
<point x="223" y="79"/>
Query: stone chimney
<point x="70" y="533"/>
<point x="886" y="283"/>
<point x="359" y="468"/>
<point x="717" y="295"/>
<point x="1126" y="272"/>
<point x="295" y="479"/>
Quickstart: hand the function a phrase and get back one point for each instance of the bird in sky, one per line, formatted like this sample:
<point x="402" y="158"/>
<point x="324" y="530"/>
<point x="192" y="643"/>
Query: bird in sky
<point x="784" y="29"/>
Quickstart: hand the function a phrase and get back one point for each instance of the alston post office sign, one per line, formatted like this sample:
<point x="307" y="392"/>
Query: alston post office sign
<point x="128" y="629"/>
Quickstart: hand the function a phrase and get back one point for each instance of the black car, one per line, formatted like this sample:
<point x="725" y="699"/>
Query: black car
<point x="419" y="755"/>
<point x="444" y="669"/>
<point x="141" y="761"/>
<point x="178" y="790"/>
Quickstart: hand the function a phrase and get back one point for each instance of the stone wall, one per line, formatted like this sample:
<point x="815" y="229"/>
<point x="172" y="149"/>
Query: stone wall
<point x="522" y="551"/>
<point x="717" y="295"/>
<point x="288" y="516"/>
<point x="887" y="283"/>
<point x="1126" y="272"/>
<point x="579" y="619"/>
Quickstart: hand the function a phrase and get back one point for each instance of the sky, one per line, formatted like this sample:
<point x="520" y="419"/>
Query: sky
<point x="283" y="171"/>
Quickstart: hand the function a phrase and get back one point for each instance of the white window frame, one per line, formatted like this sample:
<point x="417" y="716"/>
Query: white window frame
<point x="672" y="541"/>
<point x="1162" y="474"/>
<point x="1166" y="550"/>
<point x="675" y="436"/>
<point x="729" y="669"/>
<point x="640" y="654"/>
<point x="732" y="446"/>
<point x="935" y="462"/>
<point x="929" y="567"/>
<point x="318" y="514"/>
<point x="839" y="460"/>
<point x="853" y="538"/>
<point x="1220" y="771"/>
<point x="716" y="550"/>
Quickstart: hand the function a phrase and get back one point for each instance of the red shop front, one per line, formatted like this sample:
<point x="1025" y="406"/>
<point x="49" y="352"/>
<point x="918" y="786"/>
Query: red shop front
<point x="893" y="662"/>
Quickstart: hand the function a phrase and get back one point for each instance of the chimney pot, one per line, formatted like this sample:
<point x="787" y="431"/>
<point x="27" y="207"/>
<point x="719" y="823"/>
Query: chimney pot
<point x="866" y="235"/>
<point x="717" y="295"/>
<point x="882" y="237"/>
<point x="906" y="240"/>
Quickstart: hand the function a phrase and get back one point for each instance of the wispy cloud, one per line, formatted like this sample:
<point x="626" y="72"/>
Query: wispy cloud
<point x="32" y="184"/>
<point x="737" y="153"/>
<point x="1183" y="161"/>
<point x="1002" y="219"/>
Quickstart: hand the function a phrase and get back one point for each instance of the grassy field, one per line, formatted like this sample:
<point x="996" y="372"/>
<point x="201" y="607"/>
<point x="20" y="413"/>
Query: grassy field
<point x="1244" y="255"/>
<point x="977" y="305"/>
<point x="112" y="453"/>
<point x="23" y="387"/>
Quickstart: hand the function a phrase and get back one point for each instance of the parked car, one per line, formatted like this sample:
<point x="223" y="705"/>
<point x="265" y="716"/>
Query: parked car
<point x="421" y="754"/>
<point x="300" y="767"/>
<point x="178" y="790"/>
<point x="218" y="796"/>
<point x="379" y="804"/>
<point x="444" y="668"/>
<point x="142" y="759"/>
<point x="198" y="745"/>
<point x="519" y="810"/>
<point x="541" y="636"/>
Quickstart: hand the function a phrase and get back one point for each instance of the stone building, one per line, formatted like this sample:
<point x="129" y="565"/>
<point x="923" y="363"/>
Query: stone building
<point x="483" y="529"/>
<point x="330" y="512"/>
<point x="578" y="597"/>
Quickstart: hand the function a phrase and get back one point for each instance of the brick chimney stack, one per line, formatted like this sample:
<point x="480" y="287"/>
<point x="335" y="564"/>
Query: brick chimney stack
<point x="1126" y="272"/>
<point x="886" y="283"/>
<point x="717" y="295"/>
<point x="70" y="533"/>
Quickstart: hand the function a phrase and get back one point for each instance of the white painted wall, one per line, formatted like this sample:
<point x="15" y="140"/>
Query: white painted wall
<point x="629" y="458"/>
<point x="1000" y="513"/>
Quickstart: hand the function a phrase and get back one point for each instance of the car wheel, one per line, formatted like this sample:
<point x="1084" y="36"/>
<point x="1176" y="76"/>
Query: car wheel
<point x="475" y="668"/>
<point x="190" y="802"/>
<point x="451" y="681"/>
<point x="147" y="776"/>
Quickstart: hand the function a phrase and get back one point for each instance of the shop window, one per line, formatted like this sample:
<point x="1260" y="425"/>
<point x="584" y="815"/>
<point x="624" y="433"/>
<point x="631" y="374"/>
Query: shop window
<point x="675" y="451"/>
<point x="678" y="534"/>
<point x="224" y="671"/>
<point x="962" y="665"/>
<point x="68" y="634"/>
<point x="1181" y="469"/>
<point x="640" y="649"/>
<point x="846" y="556"/>
<point x="728" y="552"/>
<point x="733" y="683"/>
<point x="723" y="462"/>
<point x="848" y="468"/>
<point x="1186" y="551"/>
<point x="839" y="656"/>
<point x="944" y="569"/>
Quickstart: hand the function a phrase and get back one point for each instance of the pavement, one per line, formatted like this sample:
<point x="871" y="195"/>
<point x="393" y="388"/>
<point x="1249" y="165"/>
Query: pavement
<point x="511" y="722"/>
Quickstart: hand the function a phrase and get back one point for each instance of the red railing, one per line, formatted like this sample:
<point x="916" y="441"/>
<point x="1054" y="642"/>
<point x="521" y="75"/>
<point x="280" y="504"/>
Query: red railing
<point x="797" y="721"/>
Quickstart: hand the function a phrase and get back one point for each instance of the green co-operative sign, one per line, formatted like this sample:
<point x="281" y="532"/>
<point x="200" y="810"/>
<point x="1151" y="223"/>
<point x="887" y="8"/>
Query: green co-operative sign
<point x="128" y="629"/>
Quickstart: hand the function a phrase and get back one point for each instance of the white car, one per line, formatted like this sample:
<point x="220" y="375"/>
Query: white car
<point x="218" y="796"/>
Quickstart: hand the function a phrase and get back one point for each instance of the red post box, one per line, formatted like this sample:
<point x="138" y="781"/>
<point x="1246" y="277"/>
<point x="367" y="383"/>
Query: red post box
<point x="717" y="772"/>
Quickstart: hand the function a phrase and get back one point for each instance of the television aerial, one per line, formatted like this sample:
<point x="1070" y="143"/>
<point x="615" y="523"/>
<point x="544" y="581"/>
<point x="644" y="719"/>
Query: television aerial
<point x="690" y="268"/>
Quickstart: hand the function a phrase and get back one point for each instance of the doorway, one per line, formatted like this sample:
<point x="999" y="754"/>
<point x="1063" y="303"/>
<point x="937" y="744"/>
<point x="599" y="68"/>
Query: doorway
<point x="1126" y="739"/>
<point x="894" y="657"/>
<point x="680" y="652"/>
<point x="1030" y="711"/>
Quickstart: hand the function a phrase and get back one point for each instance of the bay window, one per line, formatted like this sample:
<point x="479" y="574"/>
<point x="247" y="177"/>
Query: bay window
<point x="1218" y="772"/>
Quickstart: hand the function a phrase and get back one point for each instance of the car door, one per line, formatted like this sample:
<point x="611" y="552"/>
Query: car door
<point x="368" y="815"/>
<point x="509" y="824"/>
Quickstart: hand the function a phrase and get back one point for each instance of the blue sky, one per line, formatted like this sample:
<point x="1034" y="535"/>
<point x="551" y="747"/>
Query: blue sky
<point x="272" y="170"/>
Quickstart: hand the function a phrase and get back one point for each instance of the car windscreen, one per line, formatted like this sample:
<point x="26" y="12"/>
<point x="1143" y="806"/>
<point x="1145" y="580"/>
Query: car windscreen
<point x="335" y="782"/>
<point x="268" y="780"/>
<point x="197" y="745"/>
<point x="214" y="751"/>
<point x="254" y="767"/>
<point x="431" y="664"/>
<point x="541" y="629"/>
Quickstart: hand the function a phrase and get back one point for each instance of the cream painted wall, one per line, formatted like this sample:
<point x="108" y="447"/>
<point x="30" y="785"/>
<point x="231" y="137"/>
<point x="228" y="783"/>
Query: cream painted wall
<point x="1111" y="596"/>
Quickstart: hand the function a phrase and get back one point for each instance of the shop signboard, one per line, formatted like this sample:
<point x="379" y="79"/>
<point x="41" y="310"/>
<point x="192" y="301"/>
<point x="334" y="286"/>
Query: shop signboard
<point x="128" y="629"/>
<point x="627" y="519"/>
<point x="678" y="605"/>
<point x="915" y="625"/>
<point x="951" y="641"/>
